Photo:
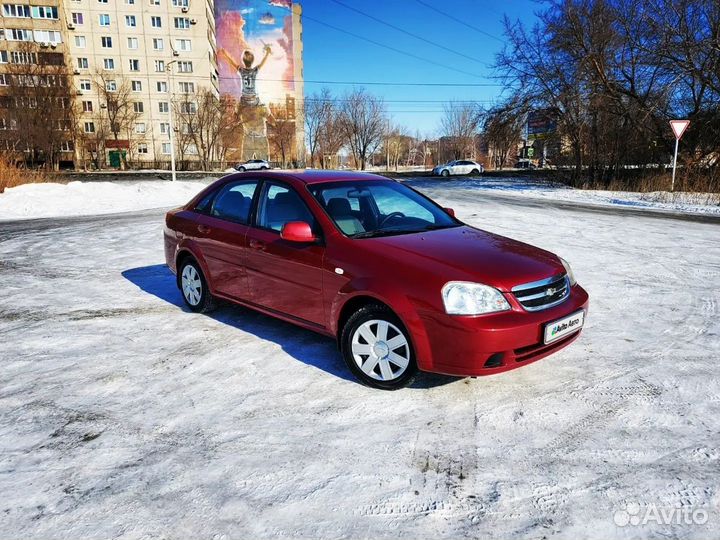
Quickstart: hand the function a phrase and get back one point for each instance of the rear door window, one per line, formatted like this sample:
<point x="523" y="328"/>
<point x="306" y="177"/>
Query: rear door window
<point x="233" y="202"/>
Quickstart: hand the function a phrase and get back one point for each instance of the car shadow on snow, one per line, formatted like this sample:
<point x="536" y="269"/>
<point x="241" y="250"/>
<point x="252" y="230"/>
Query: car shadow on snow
<point x="308" y="347"/>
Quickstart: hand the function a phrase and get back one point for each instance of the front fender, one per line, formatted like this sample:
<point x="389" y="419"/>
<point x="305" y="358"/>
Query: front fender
<point x="390" y="295"/>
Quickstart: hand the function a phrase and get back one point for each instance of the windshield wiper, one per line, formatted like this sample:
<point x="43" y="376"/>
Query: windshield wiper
<point x="393" y="232"/>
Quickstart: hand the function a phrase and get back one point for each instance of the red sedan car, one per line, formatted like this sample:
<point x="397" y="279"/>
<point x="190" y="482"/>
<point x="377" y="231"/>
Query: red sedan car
<point x="399" y="281"/>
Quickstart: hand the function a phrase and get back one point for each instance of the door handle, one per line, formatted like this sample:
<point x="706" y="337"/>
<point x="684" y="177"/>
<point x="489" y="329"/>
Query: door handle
<point x="257" y="244"/>
<point x="203" y="229"/>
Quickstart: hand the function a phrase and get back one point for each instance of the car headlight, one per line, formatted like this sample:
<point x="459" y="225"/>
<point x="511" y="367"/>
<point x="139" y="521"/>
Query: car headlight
<point x="569" y="272"/>
<point x="466" y="298"/>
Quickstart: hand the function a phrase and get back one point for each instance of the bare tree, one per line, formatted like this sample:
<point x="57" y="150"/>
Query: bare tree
<point x="319" y="115"/>
<point x="281" y="133"/>
<point x="459" y="124"/>
<point x="502" y="131"/>
<point x="362" y="121"/>
<point x="37" y="106"/>
<point x="119" y="111"/>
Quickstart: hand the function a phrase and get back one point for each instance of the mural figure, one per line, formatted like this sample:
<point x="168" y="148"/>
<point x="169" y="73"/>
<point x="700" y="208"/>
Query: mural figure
<point x="248" y="73"/>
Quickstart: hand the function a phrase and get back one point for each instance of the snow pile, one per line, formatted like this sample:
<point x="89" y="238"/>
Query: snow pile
<point x="90" y="198"/>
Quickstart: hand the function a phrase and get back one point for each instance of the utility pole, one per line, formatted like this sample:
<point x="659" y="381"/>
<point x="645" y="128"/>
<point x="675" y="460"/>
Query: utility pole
<point x="168" y="69"/>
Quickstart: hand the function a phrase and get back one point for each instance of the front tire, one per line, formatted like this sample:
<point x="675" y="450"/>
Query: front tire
<point x="445" y="173"/>
<point x="241" y="169"/>
<point x="194" y="288"/>
<point x="377" y="349"/>
<point x="474" y="172"/>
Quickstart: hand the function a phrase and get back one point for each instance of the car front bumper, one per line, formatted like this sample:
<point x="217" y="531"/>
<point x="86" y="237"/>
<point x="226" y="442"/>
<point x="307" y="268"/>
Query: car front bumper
<point x="488" y="344"/>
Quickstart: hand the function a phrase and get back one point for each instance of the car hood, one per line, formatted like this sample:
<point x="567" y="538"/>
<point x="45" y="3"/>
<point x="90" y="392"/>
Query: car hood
<point x="470" y="254"/>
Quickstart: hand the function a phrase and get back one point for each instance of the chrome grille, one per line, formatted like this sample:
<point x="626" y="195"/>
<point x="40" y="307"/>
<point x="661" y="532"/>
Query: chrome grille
<point x="543" y="294"/>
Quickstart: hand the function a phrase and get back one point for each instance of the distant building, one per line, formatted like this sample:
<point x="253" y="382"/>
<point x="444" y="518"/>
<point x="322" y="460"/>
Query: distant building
<point x="130" y="64"/>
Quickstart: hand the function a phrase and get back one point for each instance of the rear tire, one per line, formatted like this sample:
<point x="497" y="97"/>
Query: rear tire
<point x="445" y="173"/>
<point x="194" y="287"/>
<point x="241" y="169"/>
<point x="376" y="347"/>
<point x="474" y="172"/>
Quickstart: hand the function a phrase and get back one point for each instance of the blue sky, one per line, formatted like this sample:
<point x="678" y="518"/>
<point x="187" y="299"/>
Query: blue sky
<point x="331" y="55"/>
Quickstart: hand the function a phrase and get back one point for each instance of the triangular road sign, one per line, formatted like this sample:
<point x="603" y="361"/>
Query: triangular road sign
<point x="679" y="127"/>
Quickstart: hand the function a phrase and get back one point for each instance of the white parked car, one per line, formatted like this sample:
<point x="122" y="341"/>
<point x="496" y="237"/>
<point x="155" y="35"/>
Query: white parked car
<point x="459" y="166"/>
<point x="253" y="165"/>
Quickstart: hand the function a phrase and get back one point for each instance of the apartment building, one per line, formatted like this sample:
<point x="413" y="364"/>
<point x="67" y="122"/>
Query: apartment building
<point x="123" y="71"/>
<point x="141" y="55"/>
<point x="33" y="54"/>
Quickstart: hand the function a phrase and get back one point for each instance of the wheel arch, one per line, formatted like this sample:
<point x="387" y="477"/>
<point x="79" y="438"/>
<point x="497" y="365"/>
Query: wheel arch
<point x="186" y="253"/>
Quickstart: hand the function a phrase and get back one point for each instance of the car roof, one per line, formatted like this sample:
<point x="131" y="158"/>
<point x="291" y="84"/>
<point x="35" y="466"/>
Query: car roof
<point x="315" y="176"/>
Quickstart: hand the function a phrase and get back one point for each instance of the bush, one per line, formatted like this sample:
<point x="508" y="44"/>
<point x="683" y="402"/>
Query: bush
<point x="11" y="175"/>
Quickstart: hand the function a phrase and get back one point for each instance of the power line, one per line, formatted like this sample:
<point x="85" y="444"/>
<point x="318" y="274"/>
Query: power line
<point x="374" y="83"/>
<point x="376" y="19"/>
<point x="460" y="21"/>
<point x="399" y="51"/>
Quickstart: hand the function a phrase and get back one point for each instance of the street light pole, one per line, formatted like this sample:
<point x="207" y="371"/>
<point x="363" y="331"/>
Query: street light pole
<point x="168" y="69"/>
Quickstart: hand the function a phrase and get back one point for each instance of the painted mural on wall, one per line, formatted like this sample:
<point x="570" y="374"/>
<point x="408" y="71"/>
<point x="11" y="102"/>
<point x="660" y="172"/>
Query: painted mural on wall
<point x="255" y="50"/>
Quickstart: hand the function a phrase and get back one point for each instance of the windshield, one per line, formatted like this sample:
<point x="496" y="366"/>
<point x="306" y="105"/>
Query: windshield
<point x="365" y="208"/>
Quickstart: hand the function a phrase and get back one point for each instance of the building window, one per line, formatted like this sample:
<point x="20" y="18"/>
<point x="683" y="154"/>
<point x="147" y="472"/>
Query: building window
<point x="164" y="128"/>
<point x="181" y="3"/>
<point x="138" y="107"/>
<point x="3" y="57"/>
<point x="44" y="12"/>
<point x="183" y="45"/>
<point x="159" y="65"/>
<point x="130" y="2"/>
<point x="191" y="149"/>
<point x="82" y="63"/>
<point x="130" y="21"/>
<point x="18" y="34"/>
<point x="184" y="67"/>
<point x="154" y="2"/>
<point x="47" y="36"/>
<point x="106" y="42"/>
<point x="188" y="107"/>
<point x="136" y="86"/>
<point x="163" y="107"/>
<point x="103" y="1"/>
<point x="186" y="87"/>
<point x="161" y="86"/>
<point x="85" y="85"/>
<point x="3" y="79"/>
<point x="87" y="106"/>
<point x="166" y="148"/>
<point x="77" y="18"/>
<point x="140" y="127"/>
<point x="104" y="19"/>
<point x="142" y="148"/>
<point x="109" y="64"/>
<point x="158" y="44"/>
<point x="156" y="22"/>
<point x="132" y="43"/>
<point x="80" y="42"/>
<point x="89" y="127"/>
<point x="182" y="23"/>
<point x="111" y="86"/>
<point x="12" y="10"/>
<point x="134" y="64"/>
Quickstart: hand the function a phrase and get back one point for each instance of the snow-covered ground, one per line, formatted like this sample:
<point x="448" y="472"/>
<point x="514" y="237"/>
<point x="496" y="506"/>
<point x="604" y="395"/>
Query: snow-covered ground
<point x="678" y="202"/>
<point x="91" y="198"/>
<point x="124" y="415"/>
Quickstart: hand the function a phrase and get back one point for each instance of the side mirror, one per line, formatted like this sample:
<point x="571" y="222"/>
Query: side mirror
<point x="297" y="231"/>
<point x="450" y="211"/>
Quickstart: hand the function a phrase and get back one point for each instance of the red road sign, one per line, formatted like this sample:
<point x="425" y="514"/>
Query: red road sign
<point x="679" y="127"/>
